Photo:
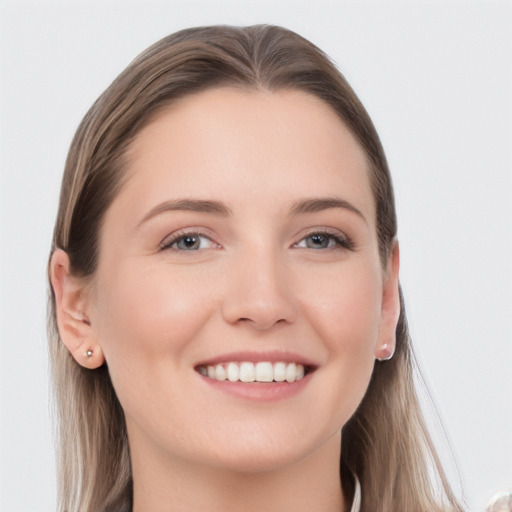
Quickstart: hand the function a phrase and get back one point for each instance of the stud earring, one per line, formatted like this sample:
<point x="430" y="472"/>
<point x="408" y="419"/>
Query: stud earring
<point x="89" y="353"/>
<point x="387" y="353"/>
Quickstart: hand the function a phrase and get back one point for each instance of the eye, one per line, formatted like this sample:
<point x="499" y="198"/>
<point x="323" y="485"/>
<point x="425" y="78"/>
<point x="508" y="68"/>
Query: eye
<point x="322" y="240"/>
<point x="187" y="242"/>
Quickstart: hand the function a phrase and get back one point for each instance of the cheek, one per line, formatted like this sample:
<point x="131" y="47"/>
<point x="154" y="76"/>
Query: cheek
<point x="147" y="317"/>
<point x="346" y="310"/>
<point x="345" y="315"/>
<point x="150" y="312"/>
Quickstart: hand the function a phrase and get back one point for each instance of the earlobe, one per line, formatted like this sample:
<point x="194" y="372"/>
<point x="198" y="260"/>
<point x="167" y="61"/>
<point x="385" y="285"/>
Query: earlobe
<point x="71" y="307"/>
<point x="390" y="309"/>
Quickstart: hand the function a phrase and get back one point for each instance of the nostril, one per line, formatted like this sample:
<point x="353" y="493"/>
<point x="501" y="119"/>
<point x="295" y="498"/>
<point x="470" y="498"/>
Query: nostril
<point x="259" y="299"/>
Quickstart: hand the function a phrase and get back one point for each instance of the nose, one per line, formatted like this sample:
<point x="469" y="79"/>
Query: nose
<point x="259" y="292"/>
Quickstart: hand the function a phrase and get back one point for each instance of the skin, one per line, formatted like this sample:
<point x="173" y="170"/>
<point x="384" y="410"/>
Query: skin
<point x="257" y="283"/>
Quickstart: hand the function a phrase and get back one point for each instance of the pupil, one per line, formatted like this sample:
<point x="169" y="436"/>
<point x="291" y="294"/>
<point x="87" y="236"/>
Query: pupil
<point x="190" y="242"/>
<point x="318" y="240"/>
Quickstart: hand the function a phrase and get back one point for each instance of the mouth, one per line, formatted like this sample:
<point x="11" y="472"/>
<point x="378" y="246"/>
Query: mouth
<point x="261" y="371"/>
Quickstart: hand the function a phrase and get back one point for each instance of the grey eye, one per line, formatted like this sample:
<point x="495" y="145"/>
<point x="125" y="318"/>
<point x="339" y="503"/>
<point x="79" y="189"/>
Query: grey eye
<point x="188" y="243"/>
<point x="324" y="240"/>
<point x="319" y="241"/>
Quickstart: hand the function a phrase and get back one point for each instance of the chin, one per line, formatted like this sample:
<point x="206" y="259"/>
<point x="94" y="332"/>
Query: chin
<point x="267" y="454"/>
<point x="257" y="463"/>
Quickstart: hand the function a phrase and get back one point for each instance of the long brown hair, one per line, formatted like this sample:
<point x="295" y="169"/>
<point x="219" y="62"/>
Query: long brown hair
<point x="385" y="443"/>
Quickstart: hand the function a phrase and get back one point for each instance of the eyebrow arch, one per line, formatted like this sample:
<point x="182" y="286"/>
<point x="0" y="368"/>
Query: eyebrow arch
<point x="323" y="203"/>
<point x="191" y="205"/>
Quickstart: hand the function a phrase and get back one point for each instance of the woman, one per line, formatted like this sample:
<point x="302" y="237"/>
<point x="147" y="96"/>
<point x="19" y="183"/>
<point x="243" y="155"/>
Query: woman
<point x="226" y="326"/>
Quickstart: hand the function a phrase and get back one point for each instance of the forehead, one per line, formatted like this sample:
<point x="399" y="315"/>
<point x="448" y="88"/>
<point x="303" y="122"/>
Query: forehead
<point x="226" y="142"/>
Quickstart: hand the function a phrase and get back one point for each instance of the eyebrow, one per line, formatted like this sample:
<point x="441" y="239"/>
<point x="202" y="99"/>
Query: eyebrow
<point x="323" y="203"/>
<point x="191" y="205"/>
<point x="312" y="205"/>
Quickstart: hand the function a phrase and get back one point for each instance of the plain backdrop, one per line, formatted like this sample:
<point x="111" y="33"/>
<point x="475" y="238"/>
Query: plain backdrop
<point x="436" y="79"/>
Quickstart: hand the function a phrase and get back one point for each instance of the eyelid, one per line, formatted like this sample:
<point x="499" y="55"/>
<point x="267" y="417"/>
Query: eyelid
<point x="172" y="238"/>
<point x="342" y="240"/>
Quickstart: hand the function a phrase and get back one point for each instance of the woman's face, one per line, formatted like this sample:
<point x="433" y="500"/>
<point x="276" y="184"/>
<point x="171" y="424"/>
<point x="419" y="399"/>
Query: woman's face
<point x="245" y="233"/>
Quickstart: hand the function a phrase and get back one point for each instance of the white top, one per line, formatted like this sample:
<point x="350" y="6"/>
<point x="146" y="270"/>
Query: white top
<point x="356" y="504"/>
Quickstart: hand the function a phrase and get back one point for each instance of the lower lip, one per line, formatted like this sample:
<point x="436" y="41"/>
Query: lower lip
<point x="259" y="391"/>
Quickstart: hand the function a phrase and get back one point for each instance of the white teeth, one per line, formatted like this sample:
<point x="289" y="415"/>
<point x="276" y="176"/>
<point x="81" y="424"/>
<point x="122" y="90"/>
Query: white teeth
<point x="220" y="373"/>
<point x="250" y="372"/>
<point x="279" y="372"/>
<point x="290" y="372"/>
<point x="264" y="372"/>
<point x="232" y="372"/>
<point x="247" y="373"/>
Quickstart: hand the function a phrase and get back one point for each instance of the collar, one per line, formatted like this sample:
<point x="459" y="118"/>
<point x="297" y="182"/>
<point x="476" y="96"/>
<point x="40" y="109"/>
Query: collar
<point x="356" y="503"/>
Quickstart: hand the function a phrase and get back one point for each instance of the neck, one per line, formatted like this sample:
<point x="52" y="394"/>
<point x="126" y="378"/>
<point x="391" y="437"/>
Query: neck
<point x="312" y="483"/>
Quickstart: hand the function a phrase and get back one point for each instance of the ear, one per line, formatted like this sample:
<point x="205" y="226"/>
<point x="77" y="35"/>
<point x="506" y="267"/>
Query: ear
<point x="390" y="308"/>
<point x="72" y="305"/>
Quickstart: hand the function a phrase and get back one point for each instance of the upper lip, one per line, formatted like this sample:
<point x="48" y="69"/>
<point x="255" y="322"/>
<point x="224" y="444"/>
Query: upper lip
<point x="272" y="356"/>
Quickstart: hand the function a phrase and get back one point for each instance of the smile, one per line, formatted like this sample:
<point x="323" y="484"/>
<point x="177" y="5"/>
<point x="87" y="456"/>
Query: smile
<point x="263" y="371"/>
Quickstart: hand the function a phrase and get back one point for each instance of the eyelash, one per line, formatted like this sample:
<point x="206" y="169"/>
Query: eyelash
<point x="340" y="242"/>
<point x="169" y="242"/>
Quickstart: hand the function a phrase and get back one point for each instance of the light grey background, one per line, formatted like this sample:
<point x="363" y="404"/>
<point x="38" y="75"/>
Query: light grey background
<point x="436" y="78"/>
